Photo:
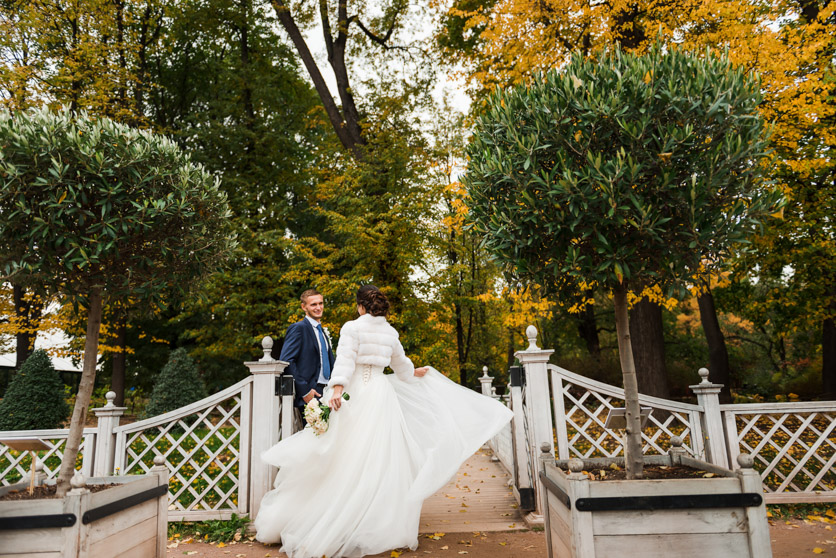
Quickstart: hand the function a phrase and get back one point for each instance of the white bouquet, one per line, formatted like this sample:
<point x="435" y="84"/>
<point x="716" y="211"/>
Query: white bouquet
<point x="316" y="415"/>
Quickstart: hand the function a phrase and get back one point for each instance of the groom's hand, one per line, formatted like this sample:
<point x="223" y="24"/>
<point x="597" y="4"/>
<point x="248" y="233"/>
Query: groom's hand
<point x="421" y="371"/>
<point x="311" y="394"/>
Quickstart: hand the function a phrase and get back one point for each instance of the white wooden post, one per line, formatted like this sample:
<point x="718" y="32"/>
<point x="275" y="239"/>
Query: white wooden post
<point x="108" y="420"/>
<point x="583" y="544"/>
<point x="708" y="397"/>
<point x="75" y="503"/>
<point x="538" y="402"/>
<point x="758" y="531"/>
<point x="486" y="381"/>
<point x="266" y="411"/>
<point x="161" y="471"/>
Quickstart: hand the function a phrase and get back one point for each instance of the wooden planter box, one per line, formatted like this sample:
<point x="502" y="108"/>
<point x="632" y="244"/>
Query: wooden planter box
<point x="720" y="517"/>
<point x="130" y="520"/>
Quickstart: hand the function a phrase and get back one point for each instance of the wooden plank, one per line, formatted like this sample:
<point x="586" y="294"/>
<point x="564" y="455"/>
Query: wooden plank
<point x="122" y="521"/>
<point x="31" y="507"/>
<point x="120" y="542"/>
<point x="559" y="510"/>
<point x="787" y="407"/>
<point x="56" y="554"/>
<point x="30" y="541"/>
<point x="560" y="529"/>
<point x="143" y="550"/>
<point x="799" y="497"/>
<point x="560" y="548"/>
<point x="681" y="545"/>
<point x="114" y="493"/>
<point x="726" y="520"/>
<point x="664" y="487"/>
<point x="200" y="515"/>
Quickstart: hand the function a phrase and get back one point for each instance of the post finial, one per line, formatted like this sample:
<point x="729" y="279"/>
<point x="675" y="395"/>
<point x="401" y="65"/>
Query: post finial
<point x="267" y="346"/>
<point x="545" y="447"/>
<point x="746" y="461"/>
<point x="110" y="396"/>
<point x="484" y="371"/>
<point x="703" y="372"/>
<point x="78" y="480"/>
<point x="159" y="460"/>
<point x="531" y="333"/>
<point x="676" y="441"/>
<point x="576" y="465"/>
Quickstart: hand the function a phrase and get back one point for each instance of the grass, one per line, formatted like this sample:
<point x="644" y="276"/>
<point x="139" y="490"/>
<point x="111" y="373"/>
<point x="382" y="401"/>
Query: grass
<point x="210" y="531"/>
<point x="825" y="510"/>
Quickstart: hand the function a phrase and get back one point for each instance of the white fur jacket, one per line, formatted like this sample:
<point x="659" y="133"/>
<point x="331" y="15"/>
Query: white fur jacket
<point x="369" y="340"/>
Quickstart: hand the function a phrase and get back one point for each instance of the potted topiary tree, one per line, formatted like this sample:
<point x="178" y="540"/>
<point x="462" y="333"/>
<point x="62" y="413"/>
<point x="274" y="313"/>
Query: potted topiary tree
<point x="92" y="209"/>
<point x="623" y="172"/>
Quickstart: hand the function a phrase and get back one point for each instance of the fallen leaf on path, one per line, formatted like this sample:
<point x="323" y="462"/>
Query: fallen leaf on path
<point x="445" y="547"/>
<point x="818" y="550"/>
<point x="394" y="554"/>
<point x="435" y="536"/>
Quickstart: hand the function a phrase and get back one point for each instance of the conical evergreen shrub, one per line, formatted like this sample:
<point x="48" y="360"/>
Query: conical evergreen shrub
<point x="177" y="385"/>
<point x="34" y="399"/>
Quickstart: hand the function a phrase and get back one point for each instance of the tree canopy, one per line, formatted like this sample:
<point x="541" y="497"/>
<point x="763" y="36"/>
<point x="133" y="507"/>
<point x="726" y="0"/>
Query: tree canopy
<point x="93" y="209"/>
<point x="618" y="172"/>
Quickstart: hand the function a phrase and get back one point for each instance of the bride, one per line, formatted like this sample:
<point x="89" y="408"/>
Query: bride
<point x="358" y="488"/>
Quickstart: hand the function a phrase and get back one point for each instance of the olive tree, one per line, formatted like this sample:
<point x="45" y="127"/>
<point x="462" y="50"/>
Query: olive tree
<point x="621" y="172"/>
<point x="90" y="208"/>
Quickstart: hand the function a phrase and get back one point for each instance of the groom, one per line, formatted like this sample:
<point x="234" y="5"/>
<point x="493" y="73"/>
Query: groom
<point x="308" y="351"/>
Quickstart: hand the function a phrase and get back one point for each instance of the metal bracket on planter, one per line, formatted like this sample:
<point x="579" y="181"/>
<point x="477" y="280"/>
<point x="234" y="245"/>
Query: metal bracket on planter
<point x="552" y="487"/>
<point x="515" y="373"/>
<point x="96" y="514"/>
<point x="52" y="521"/>
<point x="284" y="385"/>
<point x="672" y="502"/>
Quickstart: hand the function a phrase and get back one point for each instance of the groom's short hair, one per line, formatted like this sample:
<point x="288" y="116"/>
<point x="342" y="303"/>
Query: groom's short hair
<point x="310" y="292"/>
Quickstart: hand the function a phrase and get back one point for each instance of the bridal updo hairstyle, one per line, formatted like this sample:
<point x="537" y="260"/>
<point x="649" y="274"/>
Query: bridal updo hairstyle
<point x="374" y="301"/>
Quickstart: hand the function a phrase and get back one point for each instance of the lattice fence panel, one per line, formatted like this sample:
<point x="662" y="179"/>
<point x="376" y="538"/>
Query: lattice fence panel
<point x="202" y="451"/>
<point x="794" y="452"/>
<point x="14" y="465"/>
<point x="586" y="413"/>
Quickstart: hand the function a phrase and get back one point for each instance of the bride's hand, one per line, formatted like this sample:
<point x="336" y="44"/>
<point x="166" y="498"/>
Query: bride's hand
<point x="336" y="398"/>
<point x="419" y="372"/>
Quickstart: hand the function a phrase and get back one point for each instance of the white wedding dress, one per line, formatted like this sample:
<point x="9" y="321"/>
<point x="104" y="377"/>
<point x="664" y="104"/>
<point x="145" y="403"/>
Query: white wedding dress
<point x="358" y="488"/>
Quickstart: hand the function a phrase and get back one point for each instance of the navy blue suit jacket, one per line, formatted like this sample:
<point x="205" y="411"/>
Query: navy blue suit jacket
<point x="301" y="351"/>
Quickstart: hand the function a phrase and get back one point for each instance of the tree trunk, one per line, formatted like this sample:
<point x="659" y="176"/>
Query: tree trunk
<point x="588" y="330"/>
<point x="719" y="371"/>
<point x="85" y="392"/>
<point x="828" y="354"/>
<point x="633" y="438"/>
<point x="117" y="378"/>
<point x="648" y="344"/>
<point x="28" y="313"/>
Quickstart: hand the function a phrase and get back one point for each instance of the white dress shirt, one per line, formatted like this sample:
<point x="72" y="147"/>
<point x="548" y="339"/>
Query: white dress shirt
<point x="315" y="324"/>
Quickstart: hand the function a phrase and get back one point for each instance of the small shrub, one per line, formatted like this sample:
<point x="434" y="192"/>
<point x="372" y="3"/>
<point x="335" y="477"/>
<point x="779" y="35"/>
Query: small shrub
<point x="177" y="385"/>
<point x="35" y="397"/>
